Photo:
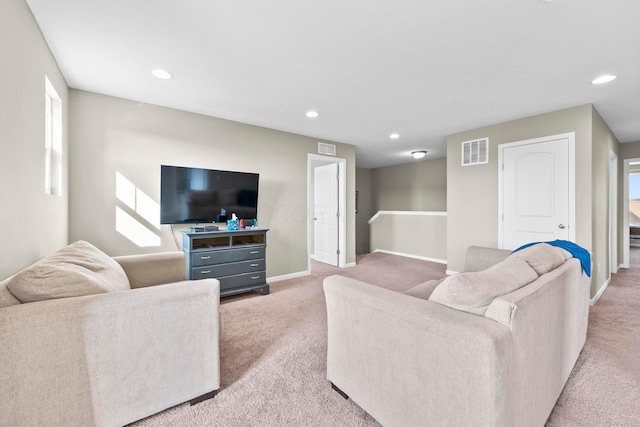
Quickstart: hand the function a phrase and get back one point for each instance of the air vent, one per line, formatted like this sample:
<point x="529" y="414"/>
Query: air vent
<point x="475" y="152"/>
<point x="328" y="149"/>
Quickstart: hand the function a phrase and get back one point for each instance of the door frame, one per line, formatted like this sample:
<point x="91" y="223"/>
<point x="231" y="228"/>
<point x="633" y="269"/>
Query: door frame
<point x="314" y="160"/>
<point x="626" y="239"/>
<point x="613" y="213"/>
<point x="571" y="137"/>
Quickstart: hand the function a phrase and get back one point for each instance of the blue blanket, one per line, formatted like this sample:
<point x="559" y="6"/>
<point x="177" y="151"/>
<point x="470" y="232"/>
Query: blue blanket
<point x="577" y="251"/>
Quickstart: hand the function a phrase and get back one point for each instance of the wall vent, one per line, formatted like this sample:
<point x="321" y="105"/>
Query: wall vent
<point x="475" y="152"/>
<point x="328" y="149"/>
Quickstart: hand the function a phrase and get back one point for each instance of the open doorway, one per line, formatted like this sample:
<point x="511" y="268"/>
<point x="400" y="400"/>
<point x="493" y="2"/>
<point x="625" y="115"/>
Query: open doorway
<point x="631" y="206"/>
<point x="321" y="237"/>
<point x="613" y="213"/>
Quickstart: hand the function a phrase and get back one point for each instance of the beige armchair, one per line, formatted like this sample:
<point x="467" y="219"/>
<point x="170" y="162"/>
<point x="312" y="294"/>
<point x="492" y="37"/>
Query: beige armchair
<point x="110" y="358"/>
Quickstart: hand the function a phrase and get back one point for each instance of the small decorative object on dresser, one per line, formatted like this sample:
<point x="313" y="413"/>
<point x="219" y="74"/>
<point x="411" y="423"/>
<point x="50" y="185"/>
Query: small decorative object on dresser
<point x="235" y="257"/>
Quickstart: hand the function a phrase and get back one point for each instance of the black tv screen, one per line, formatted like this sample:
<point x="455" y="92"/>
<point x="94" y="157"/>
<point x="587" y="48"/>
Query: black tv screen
<point x="193" y="195"/>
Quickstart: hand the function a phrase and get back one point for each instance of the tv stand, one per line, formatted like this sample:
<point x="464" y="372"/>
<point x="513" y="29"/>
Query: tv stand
<point x="235" y="257"/>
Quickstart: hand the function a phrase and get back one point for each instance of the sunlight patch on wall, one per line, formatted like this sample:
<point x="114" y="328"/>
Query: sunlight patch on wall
<point x="138" y="217"/>
<point x="133" y="230"/>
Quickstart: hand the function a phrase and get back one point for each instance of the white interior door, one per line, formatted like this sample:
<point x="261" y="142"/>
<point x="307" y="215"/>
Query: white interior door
<point x="536" y="192"/>
<point x="326" y="213"/>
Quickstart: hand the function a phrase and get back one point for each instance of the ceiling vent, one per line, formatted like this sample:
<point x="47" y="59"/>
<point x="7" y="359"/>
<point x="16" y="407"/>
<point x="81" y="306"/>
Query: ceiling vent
<point x="475" y="152"/>
<point x="328" y="149"/>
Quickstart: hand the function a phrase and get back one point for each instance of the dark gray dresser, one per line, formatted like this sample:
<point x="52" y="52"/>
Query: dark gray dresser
<point x="236" y="258"/>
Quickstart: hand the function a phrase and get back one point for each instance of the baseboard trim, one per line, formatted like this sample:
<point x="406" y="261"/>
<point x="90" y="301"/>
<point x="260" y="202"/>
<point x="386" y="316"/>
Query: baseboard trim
<point x="350" y="264"/>
<point x="451" y="272"/>
<point x="439" y="261"/>
<point x="597" y="296"/>
<point x="288" y="276"/>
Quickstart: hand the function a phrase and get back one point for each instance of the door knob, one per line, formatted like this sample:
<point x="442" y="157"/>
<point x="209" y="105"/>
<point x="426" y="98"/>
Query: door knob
<point x="561" y="226"/>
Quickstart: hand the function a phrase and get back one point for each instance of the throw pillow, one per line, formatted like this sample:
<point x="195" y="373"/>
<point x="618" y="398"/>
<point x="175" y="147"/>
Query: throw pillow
<point x="75" y="270"/>
<point x="473" y="292"/>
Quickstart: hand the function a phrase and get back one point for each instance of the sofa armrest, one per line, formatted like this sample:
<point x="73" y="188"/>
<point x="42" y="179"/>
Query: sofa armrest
<point x="109" y="359"/>
<point x="479" y="258"/>
<point x="154" y="269"/>
<point x="410" y="361"/>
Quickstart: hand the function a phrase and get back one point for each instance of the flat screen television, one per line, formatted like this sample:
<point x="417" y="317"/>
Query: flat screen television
<point x="193" y="195"/>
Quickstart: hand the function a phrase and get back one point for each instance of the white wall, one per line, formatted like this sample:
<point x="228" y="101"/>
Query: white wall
<point x="33" y="224"/>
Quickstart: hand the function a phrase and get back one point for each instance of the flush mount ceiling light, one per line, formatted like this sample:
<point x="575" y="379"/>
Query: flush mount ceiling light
<point x="312" y="114"/>
<point x="394" y="136"/>
<point x="603" y="79"/>
<point x="161" y="74"/>
<point x="418" y="154"/>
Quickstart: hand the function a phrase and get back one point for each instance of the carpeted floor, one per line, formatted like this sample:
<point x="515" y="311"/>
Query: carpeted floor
<point x="273" y="355"/>
<point x="604" y="386"/>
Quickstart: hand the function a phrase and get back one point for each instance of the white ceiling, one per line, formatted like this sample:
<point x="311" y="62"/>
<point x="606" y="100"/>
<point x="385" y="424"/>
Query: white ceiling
<point x="421" y="68"/>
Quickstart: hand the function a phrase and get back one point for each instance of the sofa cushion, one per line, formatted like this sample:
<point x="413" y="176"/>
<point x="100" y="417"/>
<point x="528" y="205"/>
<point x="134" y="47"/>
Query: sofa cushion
<point x="542" y="257"/>
<point x="423" y="290"/>
<point x="75" y="270"/>
<point x="473" y="292"/>
<point x="6" y="298"/>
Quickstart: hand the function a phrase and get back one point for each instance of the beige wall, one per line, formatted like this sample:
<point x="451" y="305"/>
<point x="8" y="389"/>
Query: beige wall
<point x="363" y="186"/>
<point x="111" y="135"/>
<point x="604" y="142"/>
<point x="411" y="234"/>
<point x="472" y="191"/>
<point x="33" y="224"/>
<point x="630" y="150"/>
<point x="415" y="186"/>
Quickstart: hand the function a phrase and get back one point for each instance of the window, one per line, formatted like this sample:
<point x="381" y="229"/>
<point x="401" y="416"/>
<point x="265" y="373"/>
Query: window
<point x="52" y="140"/>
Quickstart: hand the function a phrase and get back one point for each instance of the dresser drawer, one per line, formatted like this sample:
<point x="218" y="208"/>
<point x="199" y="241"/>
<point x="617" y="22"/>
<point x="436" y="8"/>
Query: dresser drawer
<point x="246" y="279"/>
<point x="229" y="269"/>
<point x="204" y="258"/>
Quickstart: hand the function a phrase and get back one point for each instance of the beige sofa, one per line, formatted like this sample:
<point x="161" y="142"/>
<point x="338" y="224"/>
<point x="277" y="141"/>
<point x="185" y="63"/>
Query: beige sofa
<point x="87" y="340"/>
<point x="488" y="348"/>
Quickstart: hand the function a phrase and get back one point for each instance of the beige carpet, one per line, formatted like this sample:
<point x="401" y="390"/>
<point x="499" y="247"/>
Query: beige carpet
<point x="273" y="356"/>
<point x="604" y="387"/>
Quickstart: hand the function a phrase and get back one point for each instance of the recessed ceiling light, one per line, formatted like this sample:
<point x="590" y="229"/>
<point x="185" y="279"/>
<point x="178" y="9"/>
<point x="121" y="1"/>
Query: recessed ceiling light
<point x="603" y="79"/>
<point x="394" y="136"/>
<point x="162" y="74"/>
<point x="312" y="114"/>
<point x="418" y="154"/>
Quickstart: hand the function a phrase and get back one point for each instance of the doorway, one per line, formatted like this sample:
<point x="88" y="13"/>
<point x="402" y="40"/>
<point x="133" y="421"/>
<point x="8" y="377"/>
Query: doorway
<point x="613" y="213"/>
<point x="536" y="194"/>
<point x="631" y="209"/>
<point x="326" y="238"/>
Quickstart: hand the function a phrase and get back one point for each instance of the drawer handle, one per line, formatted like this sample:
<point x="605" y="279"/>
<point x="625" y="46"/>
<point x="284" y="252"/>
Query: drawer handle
<point x="205" y="272"/>
<point x="205" y="257"/>
<point x="254" y="265"/>
<point x="255" y="277"/>
<point x="255" y="252"/>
